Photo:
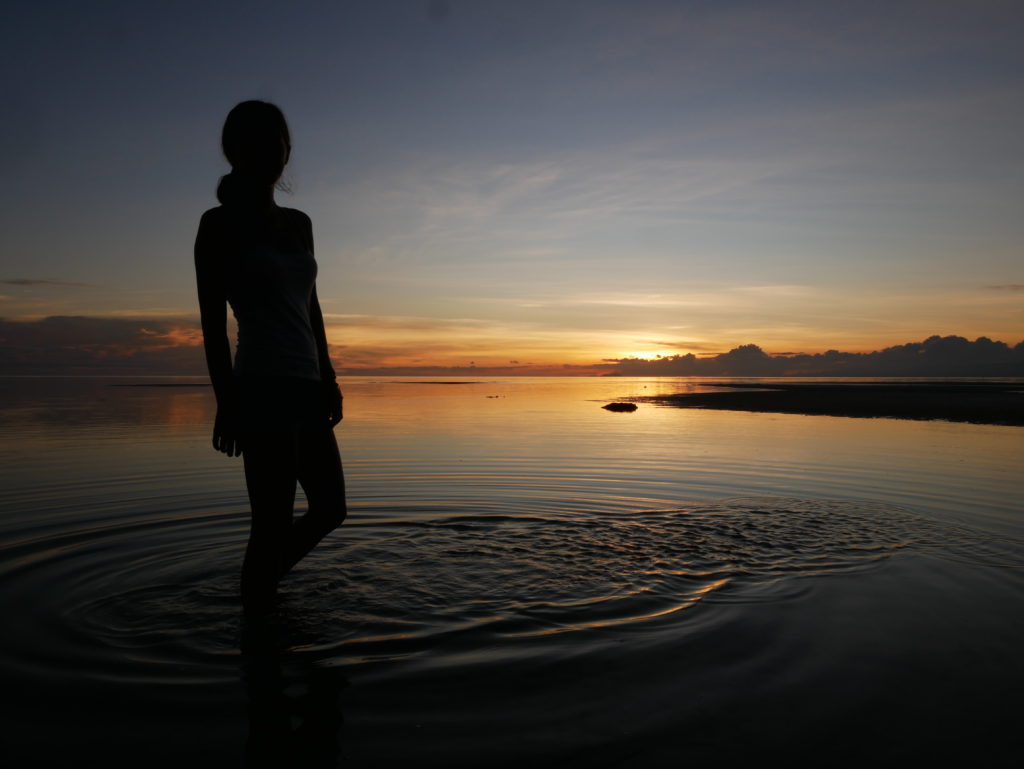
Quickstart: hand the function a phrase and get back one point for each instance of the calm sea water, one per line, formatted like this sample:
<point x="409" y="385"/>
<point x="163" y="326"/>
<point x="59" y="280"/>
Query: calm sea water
<point x="523" y="575"/>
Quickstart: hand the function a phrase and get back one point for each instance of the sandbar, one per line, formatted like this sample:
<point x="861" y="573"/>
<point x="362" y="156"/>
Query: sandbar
<point x="988" y="403"/>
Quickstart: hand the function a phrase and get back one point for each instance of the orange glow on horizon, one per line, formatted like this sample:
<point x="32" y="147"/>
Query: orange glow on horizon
<point x="470" y="346"/>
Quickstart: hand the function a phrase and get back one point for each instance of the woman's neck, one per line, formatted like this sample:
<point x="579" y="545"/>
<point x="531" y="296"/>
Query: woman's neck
<point x="259" y="198"/>
<point x="243" y="191"/>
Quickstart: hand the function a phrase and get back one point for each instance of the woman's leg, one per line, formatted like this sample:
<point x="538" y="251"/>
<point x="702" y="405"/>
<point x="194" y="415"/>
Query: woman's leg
<point x="318" y="466"/>
<point x="270" y="474"/>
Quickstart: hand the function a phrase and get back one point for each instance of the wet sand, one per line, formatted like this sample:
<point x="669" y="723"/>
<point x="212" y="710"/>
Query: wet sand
<point x="979" y="403"/>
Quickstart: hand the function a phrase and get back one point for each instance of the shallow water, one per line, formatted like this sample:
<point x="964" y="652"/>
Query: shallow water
<point x="522" y="574"/>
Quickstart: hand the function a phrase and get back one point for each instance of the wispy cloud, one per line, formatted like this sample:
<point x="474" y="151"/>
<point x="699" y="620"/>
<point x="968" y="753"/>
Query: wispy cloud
<point x="682" y="344"/>
<point x="1007" y="287"/>
<point x="515" y="203"/>
<point x="42" y="282"/>
<point x="406" y="340"/>
<point x="401" y="323"/>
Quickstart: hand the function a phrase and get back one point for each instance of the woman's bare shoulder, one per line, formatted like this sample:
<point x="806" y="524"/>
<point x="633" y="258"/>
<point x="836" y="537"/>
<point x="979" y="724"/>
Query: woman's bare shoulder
<point x="300" y="218"/>
<point x="211" y="237"/>
<point x="214" y="218"/>
<point x="300" y="223"/>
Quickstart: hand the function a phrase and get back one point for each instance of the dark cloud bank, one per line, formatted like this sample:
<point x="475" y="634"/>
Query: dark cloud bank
<point x="946" y="356"/>
<point x="75" y="345"/>
<point x="71" y="345"/>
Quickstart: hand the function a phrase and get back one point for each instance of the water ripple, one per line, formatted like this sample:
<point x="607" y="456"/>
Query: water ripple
<point x="153" y="597"/>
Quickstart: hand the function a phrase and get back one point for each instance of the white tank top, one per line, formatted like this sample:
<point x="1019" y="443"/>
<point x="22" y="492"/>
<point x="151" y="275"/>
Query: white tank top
<point x="270" y="294"/>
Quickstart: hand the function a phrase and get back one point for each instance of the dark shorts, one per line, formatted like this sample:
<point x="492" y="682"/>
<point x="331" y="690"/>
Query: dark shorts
<point x="275" y="405"/>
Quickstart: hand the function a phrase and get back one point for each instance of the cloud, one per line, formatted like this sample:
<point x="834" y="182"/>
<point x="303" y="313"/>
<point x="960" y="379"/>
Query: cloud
<point x="550" y="199"/>
<point x="1007" y="287"/>
<point x="949" y="356"/>
<point x="374" y="340"/>
<point x="42" y="282"/>
<point x="83" y="345"/>
<point x="632" y="300"/>
<point x="400" y="322"/>
<point x="172" y="345"/>
<point x="682" y="344"/>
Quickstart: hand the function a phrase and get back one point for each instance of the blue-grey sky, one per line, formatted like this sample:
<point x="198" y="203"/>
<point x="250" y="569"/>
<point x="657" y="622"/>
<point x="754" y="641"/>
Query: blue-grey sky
<point x="557" y="181"/>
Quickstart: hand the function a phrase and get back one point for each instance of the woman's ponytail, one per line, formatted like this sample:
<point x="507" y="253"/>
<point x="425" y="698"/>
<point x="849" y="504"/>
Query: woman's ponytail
<point x="227" y="189"/>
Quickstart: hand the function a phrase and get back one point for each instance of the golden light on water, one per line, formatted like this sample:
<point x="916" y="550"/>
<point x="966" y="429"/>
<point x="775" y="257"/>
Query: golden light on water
<point x="694" y="598"/>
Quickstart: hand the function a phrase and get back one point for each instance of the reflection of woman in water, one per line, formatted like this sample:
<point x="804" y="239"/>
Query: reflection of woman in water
<point x="277" y="406"/>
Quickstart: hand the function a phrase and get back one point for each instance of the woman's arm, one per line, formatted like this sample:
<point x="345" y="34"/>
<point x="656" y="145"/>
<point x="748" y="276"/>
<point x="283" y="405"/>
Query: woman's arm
<point x="331" y="389"/>
<point x="209" y="253"/>
<point x="316" y="320"/>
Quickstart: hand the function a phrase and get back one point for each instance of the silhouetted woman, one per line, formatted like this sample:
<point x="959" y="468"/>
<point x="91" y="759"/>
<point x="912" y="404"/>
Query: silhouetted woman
<point x="278" y="404"/>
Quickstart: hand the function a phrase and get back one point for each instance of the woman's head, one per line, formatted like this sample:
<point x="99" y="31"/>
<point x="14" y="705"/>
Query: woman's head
<point x="256" y="143"/>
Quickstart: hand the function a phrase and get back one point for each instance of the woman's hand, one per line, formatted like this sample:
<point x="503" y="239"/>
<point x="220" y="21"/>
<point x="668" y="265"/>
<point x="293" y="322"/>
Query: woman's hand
<point x="334" y="402"/>
<point x="225" y="431"/>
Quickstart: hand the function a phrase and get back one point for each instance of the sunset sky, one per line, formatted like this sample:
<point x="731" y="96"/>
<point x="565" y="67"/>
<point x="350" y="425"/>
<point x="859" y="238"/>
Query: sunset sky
<point x="547" y="182"/>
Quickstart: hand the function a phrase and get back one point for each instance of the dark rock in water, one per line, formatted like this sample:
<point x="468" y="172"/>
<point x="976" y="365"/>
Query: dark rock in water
<point x="620" y="407"/>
